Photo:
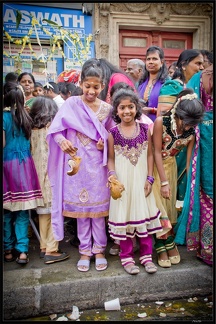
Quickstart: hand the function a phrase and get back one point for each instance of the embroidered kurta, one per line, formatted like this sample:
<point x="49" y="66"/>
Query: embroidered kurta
<point x="84" y="194"/>
<point x="132" y="214"/>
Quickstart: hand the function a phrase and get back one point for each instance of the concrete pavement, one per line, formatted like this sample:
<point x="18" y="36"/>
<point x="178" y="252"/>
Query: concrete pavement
<point x="39" y="289"/>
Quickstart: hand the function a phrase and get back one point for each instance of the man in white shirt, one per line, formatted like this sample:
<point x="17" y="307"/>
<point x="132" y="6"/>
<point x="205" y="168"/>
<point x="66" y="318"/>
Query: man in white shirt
<point x="51" y="90"/>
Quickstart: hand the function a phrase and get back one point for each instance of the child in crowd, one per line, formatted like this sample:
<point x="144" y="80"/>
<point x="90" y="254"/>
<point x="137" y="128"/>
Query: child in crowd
<point x="38" y="90"/>
<point x="51" y="90"/>
<point x="114" y="250"/>
<point x="171" y="69"/>
<point x="130" y="160"/>
<point x="171" y="133"/>
<point x="42" y="113"/>
<point x="21" y="188"/>
<point x="11" y="77"/>
<point x="70" y="89"/>
<point x="82" y="123"/>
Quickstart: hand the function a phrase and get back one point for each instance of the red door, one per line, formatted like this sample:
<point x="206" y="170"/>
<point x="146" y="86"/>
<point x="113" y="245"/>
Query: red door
<point x="134" y="43"/>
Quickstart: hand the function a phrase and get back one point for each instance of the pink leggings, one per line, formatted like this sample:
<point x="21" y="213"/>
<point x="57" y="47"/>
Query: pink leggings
<point x="127" y="254"/>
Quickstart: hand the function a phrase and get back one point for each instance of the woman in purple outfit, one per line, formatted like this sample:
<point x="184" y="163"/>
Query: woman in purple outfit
<point x="155" y="74"/>
<point x="83" y="123"/>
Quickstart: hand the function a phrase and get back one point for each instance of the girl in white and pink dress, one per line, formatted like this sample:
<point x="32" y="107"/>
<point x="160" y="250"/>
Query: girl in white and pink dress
<point x="130" y="160"/>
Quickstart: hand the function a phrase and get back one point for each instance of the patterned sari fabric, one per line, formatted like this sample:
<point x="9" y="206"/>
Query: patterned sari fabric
<point x="171" y="146"/>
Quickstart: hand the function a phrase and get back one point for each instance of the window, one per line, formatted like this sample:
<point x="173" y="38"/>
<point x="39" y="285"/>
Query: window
<point x="134" y="42"/>
<point x="174" y="44"/>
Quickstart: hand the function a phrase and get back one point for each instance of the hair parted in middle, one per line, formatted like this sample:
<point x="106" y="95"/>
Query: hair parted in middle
<point x="90" y="69"/>
<point x="120" y="95"/>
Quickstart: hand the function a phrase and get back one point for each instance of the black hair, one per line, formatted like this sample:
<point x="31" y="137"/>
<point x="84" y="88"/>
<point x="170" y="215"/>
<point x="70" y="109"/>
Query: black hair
<point x="52" y="86"/>
<point x="189" y="111"/>
<point x="184" y="59"/>
<point x="173" y="65"/>
<point x="120" y="85"/>
<point x="78" y="91"/>
<point x="14" y="98"/>
<point x="107" y="70"/>
<point x="61" y="85"/>
<point x="11" y="77"/>
<point x="38" y="85"/>
<point x="26" y="73"/>
<point x="163" y="72"/>
<point x="208" y="54"/>
<point x="91" y="70"/>
<point x="43" y="111"/>
<point x="68" y="88"/>
<point x="120" y="95"/>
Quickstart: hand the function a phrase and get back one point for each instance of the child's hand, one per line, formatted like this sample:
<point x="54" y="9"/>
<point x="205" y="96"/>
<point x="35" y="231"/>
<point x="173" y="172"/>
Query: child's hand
<point x="100" y="144"/>
<point x="67" y="147"/>
<point x="147" y="188"/>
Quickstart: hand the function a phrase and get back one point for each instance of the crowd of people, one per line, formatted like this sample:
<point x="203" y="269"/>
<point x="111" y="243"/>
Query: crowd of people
<point x="148" y="129"/>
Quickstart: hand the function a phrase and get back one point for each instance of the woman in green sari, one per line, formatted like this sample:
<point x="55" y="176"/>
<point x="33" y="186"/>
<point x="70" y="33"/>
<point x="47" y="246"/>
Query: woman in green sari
<point x="27" y="81"/>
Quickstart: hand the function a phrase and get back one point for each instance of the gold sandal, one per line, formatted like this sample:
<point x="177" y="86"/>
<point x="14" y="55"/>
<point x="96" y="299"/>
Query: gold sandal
<point x="176" y="258"/>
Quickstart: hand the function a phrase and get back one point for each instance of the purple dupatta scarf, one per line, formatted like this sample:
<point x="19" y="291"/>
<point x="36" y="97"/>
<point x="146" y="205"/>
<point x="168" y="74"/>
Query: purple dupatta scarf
<point x="153" y="98"/>
<point x="73" y="114"/>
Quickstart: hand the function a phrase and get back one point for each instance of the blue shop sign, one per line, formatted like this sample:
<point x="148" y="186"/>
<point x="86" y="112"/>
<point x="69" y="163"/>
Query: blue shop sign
<point x="74" y="20"/>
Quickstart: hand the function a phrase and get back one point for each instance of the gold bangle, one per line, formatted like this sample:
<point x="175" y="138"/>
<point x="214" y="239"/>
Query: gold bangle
<point x="164" y="183"/>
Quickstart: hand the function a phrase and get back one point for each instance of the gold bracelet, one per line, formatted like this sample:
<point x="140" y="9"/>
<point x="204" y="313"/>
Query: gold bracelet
<point x="164" y="183"/>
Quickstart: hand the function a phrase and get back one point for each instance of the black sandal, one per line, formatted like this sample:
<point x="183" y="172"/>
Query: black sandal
<point x="9" y="252"/>
<point x="22" y="261"/>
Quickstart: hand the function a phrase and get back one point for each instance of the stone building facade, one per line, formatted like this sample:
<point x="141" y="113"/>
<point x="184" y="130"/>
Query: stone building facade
<point x="109" y="18"/>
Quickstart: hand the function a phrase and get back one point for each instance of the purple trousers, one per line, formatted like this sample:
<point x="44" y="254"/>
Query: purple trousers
<point x="91" y="233"/>
<point x="145" y="248"/>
